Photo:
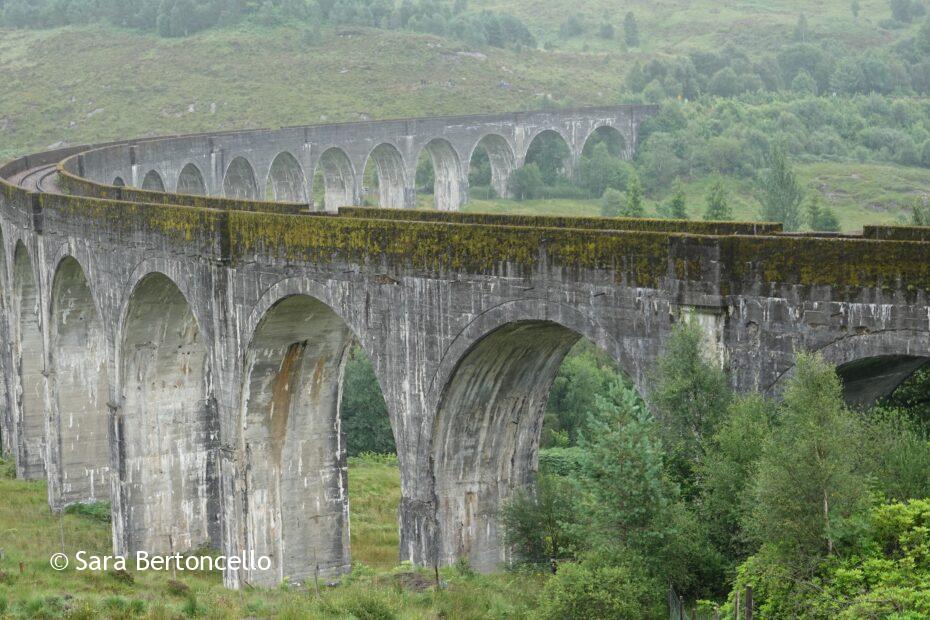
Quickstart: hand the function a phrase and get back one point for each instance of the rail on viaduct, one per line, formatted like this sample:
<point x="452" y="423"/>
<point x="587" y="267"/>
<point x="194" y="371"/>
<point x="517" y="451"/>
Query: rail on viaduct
<point x="181" y="355"/>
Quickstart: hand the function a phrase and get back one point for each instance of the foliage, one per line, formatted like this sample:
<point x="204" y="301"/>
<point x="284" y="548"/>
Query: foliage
<point x="538" y="526"/>
<point x="630" y="30"/>
<point x="897" y="453"/>
<point x="364" y="414"/>
<point x="602" y="170"/>
<point x="612" y="203"/>
<point x="779" y="192"/>
<point x="525" y="182"/>
<point x="717" y="209"/>
<point x="634" y="199"/>
<point x="674" y="207"/>
<point x="821" y="218"/>
<point x="98" y="511"/>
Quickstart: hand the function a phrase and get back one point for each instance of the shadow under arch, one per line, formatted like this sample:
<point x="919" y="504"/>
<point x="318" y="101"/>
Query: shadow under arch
<point x="608" y="135"/>
<point x="487" y="429"/>
<point x="29" y="367"/>
<point x="292" y="442"/>
<point x="239" y="180"/>
<point x="153" y="181"/>
<point x="390" y="175"/>
<point x="190" y="181"/>
<point x="338" y="177"/>
<point x="286" y="181"/>
<point x="552" y="152"/>
<point x="502" y="161"/>
<point x="168" y="427"/>
<point x="78" y="388"/>
<point x="450" y="184"/>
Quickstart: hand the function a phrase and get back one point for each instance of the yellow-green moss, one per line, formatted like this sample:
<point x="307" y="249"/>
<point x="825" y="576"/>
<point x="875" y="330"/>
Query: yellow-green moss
<point x="549" y="221"/>
<point x="897" y="233"/>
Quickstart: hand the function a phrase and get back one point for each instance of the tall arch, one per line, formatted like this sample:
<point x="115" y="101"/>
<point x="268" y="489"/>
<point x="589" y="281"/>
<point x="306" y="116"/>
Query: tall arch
<point x="239" y="180"/>
<point x="389" y="168"/>
<point x="153" y="181"/>
<point x="168" y="426"/>
<point x="551" y="152"/>
<point x="78" y="389"/>
<point x="190" y="181"/>
<point x="486" y="434"/>
<point x="286" y="180"/>
<point x="609" y="136"/>
<point x="119" y="182"/>
<point x="502" y="161"/>
<point x="293" y="446"/>
<point x="27" y="360"/>
<point x="338" y="176"/>
<point x="867" y="379"/>
<point x="450" y="184"/>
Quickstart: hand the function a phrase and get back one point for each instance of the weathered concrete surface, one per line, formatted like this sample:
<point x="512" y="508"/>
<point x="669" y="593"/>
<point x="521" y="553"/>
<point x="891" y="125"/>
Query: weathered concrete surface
<point x="216" y="355"/>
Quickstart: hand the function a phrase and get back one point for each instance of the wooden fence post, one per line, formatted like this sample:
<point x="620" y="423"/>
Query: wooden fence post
<point x="748" y="603"/>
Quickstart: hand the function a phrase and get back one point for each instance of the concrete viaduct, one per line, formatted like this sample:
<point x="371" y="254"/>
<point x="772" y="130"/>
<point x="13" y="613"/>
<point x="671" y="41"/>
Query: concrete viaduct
<point x="181" y="355"/>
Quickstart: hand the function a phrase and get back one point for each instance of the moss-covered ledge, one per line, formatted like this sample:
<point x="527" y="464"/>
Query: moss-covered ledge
<point x="897" y="233"/>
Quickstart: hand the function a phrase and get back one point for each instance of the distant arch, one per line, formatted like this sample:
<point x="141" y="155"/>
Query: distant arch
<point x="239" y="180"/>
<point x="502" y="160"/>
<point x="169" y="426"/>
<point x="28" y="362"/>
<point x="390" y="176"/>
<point x="286" y="180"/>
<point x="551" y="151"/>
<point x="79" y="387"/>
<point x="338" y="177"/>
<point x="119" y="182"/>
<point x="608" y="135"/>
<point x="190" y="181"/>
<point x="450" y="185"/>
<point x="153" y="181"/>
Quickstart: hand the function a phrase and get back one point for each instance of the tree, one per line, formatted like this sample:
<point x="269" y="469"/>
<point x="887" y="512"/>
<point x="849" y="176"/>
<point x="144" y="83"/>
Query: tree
<point x="634" y="199"/>
<point x="717" y="207"/>
<point x="525" y="182"/>
<point x="535" y="524"/>
<point x="819" y="217"/>
<point x="779" y="191"/>
<point x="809" y="482"/>
<point x="612" y="202"/>
<point x="800" y="29"/>
<point x="601" y="170"/>
<point x="606" y="31"/>
<point x="923" y="36"/>
<point x="854" y="7"/>
<point x="675" y="207"/>
<point x="630" y="30"/>
<point x="804" y="84"/>
<point x="571" y="27"/>
<point x="689" y="396"/>
<point x="848" y="77"/>
<point x="364" y="414"/>
<point x="724" y="83"/>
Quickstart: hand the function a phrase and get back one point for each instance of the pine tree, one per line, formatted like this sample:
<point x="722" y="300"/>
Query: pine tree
<point x="634" y="199"/>
<point x="676" y="206"/>
<point x="630" y="30"/>
<point x="717" y="207"/>
<point x="819" y="217"/>
<point x="780" y="192"/>
<point x="800" y="29"/>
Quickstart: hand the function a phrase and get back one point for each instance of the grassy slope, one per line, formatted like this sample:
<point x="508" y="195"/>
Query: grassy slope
<point x="29" y="533"/>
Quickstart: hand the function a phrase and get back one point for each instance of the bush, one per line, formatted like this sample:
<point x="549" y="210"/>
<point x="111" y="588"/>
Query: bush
<point x="612" y="202"/>
<point x="526" y="182"/>
<point x="595" y="588"/>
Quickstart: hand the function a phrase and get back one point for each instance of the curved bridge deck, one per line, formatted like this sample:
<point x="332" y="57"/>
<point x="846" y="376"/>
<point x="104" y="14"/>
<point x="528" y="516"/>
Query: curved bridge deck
<point x="180" y="352"/>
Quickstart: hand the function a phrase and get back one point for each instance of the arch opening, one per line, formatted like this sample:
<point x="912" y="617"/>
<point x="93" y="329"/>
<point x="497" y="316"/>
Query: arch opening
<point x="551" y="153"/>
<point x="492" y="162"/>
<point x="333" y="181"/>
<point x="610" y="137"/>
<point x="168" y="427"/>
<point x="294" y="441"/>
<point x="27" y="356"/>
<point x="439" y="172"/>
<point x="286" y="180"/>
<point x="190" y="181"/>
<point x="153" y="181"/>
<point x="239" y="180"/>
<point x="384" y="180"/>
<point x="493" y="413"/>
<point x="79" y="388"/>
<point x="119" y="182"/>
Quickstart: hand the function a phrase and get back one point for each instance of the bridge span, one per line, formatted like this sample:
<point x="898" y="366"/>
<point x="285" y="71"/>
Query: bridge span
<point x="181" y="355"/>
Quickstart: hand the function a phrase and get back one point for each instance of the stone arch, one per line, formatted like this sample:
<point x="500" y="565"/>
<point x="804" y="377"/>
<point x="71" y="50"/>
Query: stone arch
<point x="239" y="180"/>
<point x="450" y="185"/>
<point x="391" y="176"/>
<point x="286" y="181"/>
<point x="490" y="394"/>
<point x="293" y="447"/>
<point x="502" y="159"/>
<point x="612" y="137"/>
<point x="153" y="181"/>
<point x="338" y="175"/>
<point x="78" y="388"/>
<point x="168" y="425"/>
<point x="119" y="182"/>
<point x="190" y="181"/>
<point x="30" y="367"/>
<point x="556" y="159"/>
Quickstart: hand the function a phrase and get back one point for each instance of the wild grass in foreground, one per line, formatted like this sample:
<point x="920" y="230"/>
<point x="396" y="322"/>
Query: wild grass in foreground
<point x="377" y="587"/>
